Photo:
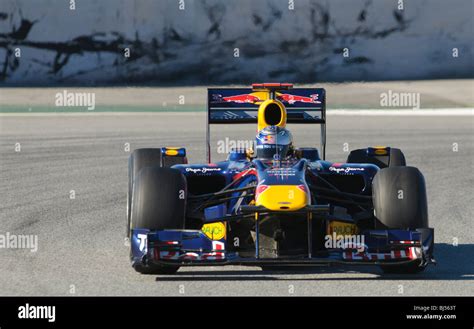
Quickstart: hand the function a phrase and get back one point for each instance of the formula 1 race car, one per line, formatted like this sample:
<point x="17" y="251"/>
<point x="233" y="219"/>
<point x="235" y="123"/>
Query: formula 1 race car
<point x="275" y="205"/>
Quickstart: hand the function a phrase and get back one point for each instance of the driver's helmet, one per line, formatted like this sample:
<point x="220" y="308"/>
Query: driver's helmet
<point x="273" y="143"/>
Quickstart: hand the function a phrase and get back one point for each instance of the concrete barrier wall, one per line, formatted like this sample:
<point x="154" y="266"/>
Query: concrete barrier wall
<point x="175" y="42"/>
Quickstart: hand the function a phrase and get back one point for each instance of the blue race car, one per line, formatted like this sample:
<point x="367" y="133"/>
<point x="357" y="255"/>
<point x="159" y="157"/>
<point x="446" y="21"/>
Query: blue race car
<point x="275" y="205"/>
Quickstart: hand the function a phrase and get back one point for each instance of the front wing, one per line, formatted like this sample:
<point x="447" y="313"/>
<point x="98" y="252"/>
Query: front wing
<point x="194" y="248"/>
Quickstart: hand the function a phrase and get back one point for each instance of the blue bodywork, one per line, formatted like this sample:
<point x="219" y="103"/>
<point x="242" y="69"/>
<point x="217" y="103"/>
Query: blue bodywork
<point x="193" y="247"/>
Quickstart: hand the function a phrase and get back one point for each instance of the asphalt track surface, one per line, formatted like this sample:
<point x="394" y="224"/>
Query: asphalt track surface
<point x="81" y="249"/>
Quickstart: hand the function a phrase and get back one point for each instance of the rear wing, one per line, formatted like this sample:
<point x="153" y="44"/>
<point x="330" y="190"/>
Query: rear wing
<point x="240" y="105"/>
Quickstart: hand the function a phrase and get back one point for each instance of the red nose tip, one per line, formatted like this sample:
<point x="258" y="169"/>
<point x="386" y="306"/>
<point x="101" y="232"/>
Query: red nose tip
<point x="260" y="189"/>
<point x="302" y="187"/>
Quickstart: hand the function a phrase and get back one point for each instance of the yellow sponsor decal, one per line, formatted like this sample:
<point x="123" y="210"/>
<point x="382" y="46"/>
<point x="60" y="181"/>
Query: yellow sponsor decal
<point x="171" y="152"/>
<point x="341" y="228"/>
<point x="380" y="150"/>
<point x="214" y="231"/>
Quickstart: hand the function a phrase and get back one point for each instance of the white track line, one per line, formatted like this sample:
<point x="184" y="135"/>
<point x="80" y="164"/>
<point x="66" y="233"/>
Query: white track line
<point x="404" y="112"/>
<point x="330" y="112"/>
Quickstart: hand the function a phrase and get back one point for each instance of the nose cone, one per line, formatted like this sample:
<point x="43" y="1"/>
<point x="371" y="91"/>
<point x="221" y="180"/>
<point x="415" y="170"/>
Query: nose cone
<point x="283" y="197"/>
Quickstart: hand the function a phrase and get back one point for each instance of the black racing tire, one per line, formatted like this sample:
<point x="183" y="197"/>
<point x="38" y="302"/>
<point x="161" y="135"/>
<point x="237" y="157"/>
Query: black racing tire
<point x="399" y="198"/>
<point x="156" y="269"/>
<point x="400" y="202"/>
<point x="158" y="203"/>
<point x="159" y="199"/>
<point x="396" y="158"/>
<point x="141" y="158"/>
<point x="410" y="268"/>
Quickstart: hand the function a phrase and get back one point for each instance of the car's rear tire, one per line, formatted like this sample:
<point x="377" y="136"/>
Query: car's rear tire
<point x="400" y="202"/>
<point x="395" y="158"/>
<point x="158" y="203"/>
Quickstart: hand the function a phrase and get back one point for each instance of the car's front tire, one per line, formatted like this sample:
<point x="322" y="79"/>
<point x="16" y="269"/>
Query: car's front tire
<point x="141" y="158"/>
<point x="400" y="202"/>
<point x="158" y="203"/>
<point x="410" y="268"/>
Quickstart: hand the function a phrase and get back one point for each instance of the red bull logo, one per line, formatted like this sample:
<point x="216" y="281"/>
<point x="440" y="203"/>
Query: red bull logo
<point x="291" y="99"/>
<point x="257" y="97"/>
<point x="243" y="98"/>
<point x="269" y="139"/>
